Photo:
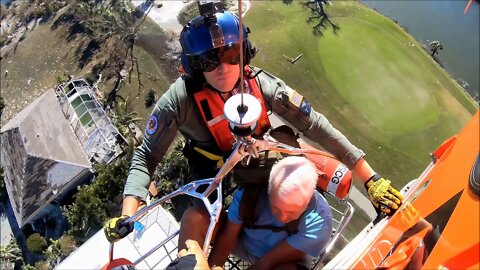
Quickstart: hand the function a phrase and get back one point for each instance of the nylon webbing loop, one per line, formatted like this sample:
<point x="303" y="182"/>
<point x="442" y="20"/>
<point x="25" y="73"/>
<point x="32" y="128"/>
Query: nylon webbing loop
<point x="210" y="156"/>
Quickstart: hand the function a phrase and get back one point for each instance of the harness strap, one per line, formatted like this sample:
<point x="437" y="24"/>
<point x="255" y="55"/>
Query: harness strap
<point x="248" y="204"/>
<point x="291" y="227"/>
<point x="210" y="156"/>
<point x="248" y="211"/>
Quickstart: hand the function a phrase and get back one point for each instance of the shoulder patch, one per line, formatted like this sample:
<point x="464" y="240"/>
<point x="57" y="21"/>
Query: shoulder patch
<point x="296" y="99"/>
<point x="152" y="125"/>
<point x="305" y="107"/>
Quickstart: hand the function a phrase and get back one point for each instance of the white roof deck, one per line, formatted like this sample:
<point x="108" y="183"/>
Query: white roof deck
<point x="99" y="138"/>
<point x="158" y="226"/>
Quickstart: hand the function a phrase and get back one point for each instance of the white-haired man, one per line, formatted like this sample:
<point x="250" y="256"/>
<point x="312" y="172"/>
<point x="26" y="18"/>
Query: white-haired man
<point x="291" y="197"/>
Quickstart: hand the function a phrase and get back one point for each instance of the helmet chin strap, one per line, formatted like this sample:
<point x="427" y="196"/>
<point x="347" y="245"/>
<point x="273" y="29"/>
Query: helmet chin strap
<point x="209" y="86"/>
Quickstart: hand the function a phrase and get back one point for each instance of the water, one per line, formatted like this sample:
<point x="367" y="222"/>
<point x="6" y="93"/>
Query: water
<point x="443" y="21"/>
<point x="5" y="2"/>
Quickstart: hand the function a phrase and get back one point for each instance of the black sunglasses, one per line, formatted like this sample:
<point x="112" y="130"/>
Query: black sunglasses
<point x="210" y="60"/>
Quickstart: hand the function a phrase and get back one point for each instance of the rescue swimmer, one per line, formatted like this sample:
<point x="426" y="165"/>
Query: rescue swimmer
<point x="193" y="105"/>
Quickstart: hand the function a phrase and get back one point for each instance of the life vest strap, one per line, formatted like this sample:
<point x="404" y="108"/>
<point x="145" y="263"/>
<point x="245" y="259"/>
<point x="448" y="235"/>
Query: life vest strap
<point x="291" y="227"/>
<point x="210" y="156"/>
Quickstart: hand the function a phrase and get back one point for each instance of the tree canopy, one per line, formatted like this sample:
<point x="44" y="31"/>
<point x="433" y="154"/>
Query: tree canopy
<point x="93" y="203"/>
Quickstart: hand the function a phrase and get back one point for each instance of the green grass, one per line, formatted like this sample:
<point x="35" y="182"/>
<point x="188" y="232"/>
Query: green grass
<point x="34" y="67"/>
<point x="151" y="77"/>
<point x="385" y="77"/>
<point x="389" y="97"/>
<point x="153" y="73"/>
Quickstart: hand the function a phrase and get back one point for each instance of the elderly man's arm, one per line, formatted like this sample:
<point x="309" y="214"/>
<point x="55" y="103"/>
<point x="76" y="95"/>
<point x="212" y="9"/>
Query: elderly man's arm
<point x="282" y="253"/>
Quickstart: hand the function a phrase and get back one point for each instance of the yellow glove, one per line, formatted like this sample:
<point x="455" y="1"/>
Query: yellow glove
<point x="116" y="228"/>
<point x="383" y="196"/>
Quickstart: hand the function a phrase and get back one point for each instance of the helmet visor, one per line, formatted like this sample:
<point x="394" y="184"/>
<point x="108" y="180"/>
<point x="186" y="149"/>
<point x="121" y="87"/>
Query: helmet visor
<point x="210" y="60"/>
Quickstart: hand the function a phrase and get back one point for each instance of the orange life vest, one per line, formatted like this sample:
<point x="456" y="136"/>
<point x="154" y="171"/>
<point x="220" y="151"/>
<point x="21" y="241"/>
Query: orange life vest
<point x="211" y="104"/>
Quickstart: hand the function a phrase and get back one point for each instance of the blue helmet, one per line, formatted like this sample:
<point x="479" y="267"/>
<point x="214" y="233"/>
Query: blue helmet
<point x="205" y="36"/>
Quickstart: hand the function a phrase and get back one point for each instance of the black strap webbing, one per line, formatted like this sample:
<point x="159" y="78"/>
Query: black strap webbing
<point x="248" y="212"/>
<point x="290" y="228"/>
<point x="255" y="181"/>
<point x="206" y="109"/>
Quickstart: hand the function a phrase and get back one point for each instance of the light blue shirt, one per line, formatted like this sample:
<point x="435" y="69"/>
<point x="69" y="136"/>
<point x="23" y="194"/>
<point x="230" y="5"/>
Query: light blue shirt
<point x="314" y="228"/>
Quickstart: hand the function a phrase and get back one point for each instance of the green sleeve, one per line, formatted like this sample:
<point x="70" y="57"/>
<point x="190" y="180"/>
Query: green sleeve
<point x="309" y="122"/>
<point x="161" y="129"/>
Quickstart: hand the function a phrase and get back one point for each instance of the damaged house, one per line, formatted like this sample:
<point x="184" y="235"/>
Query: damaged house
<point x="48" y="149"/>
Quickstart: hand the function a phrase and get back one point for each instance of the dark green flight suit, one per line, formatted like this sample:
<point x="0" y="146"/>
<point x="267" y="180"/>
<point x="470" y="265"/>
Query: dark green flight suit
<point x="177" y="111"/>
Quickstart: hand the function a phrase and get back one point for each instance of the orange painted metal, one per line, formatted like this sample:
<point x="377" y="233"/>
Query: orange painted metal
<point x="438" y="225"/>
<point x="333" y="176"/>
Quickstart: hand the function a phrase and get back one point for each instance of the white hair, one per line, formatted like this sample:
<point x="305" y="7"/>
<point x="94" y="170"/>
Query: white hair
<point x="293" y="174"/>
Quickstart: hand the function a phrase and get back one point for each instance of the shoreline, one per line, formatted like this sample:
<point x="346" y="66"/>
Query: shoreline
<point x="439" y="62"/>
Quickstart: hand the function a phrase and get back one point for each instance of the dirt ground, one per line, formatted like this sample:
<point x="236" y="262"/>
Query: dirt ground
<point x="33" y="67"/>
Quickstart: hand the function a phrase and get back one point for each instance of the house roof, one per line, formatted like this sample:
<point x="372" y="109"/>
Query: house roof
<point x="41" y="157"/>
<point x="46" y="133"/>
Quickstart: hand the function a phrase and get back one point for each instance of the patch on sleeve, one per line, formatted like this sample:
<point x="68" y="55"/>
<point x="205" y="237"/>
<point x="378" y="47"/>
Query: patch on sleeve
<point x="305" y="107"/>
<point x="152" y="125"/>
<point x="296" y="99"/>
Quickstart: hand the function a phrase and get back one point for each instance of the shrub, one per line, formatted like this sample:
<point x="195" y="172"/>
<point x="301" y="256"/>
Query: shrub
<point x="22" y="9"/>
<point x="68" y="243"/>
<point x="36" y="243"/>
<point x="187" y="13"/>
<point x="49" y="9"/>
<point x="91" y="78"/>
<point x="89" y="211"/>
<point x="37" y="12"/>
<point x="172" y="171"/>
<point x="42" y="265"/>
<point x="150" y="98"/>
<point x="190" y="10"/>
<point x="65" y="77"/>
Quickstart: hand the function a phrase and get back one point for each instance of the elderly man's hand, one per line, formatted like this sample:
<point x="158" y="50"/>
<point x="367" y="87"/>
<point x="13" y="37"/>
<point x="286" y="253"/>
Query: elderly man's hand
<point x="193" y="248"/>
<point x="383" y="196"/>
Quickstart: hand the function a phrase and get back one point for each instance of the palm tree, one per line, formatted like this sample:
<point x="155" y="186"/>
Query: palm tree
<point x="435" y="46"/>
<point x="123" y="117"/>
<point x="59" y="249"/>
<point x="10" y="254"/>
<point x="86" y="213"/>
<point x="53" y="253"/>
